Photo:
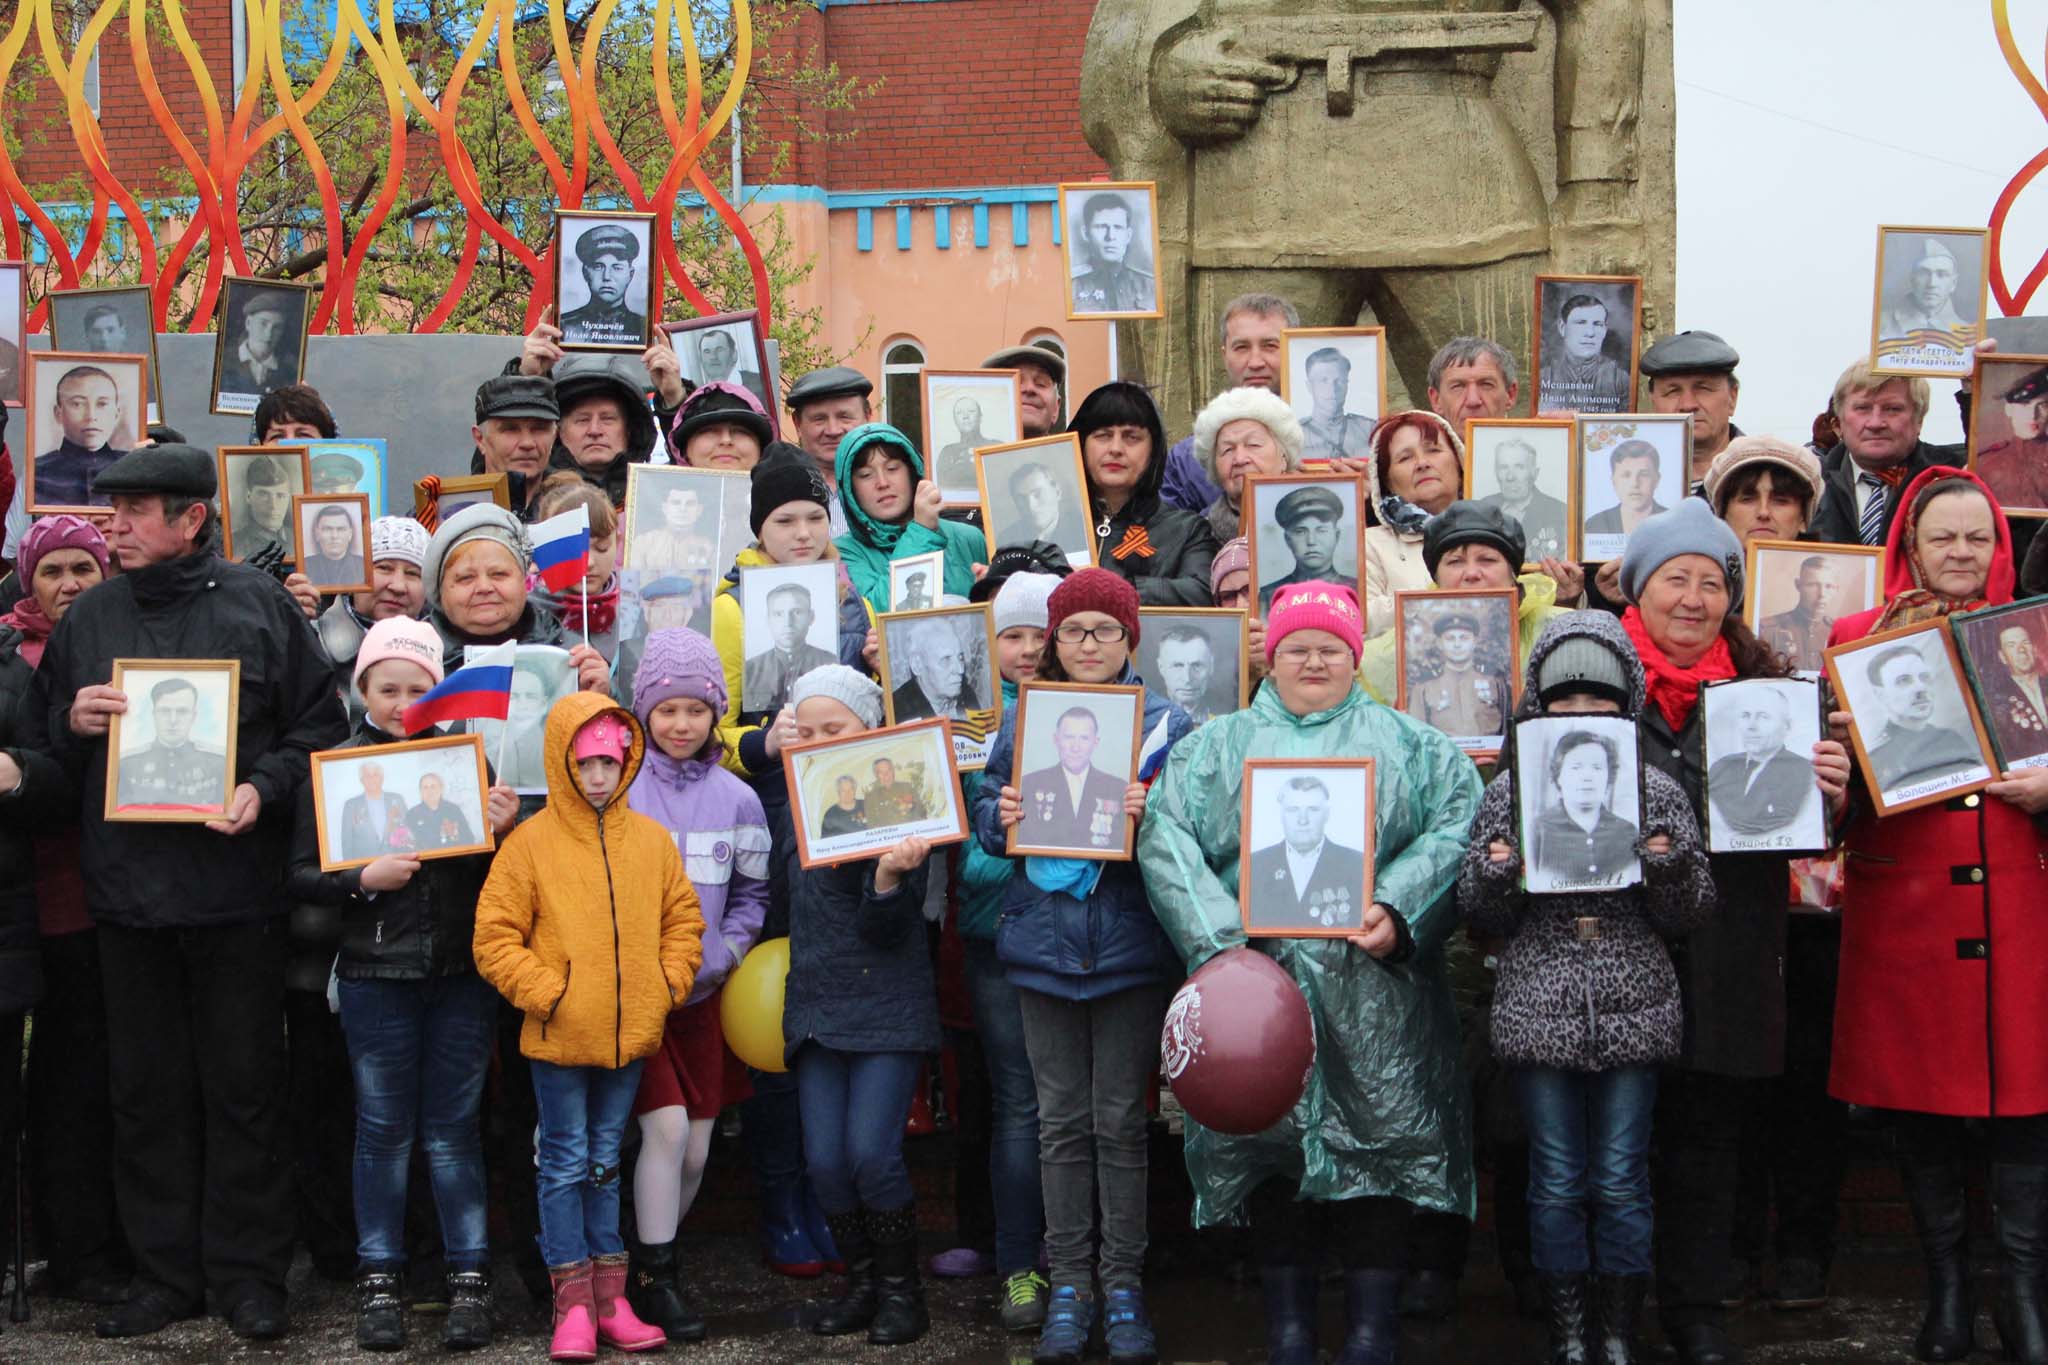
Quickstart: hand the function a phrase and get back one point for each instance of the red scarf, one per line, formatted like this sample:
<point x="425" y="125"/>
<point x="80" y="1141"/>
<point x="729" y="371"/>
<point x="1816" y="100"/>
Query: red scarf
<point x="1674" y="690"/>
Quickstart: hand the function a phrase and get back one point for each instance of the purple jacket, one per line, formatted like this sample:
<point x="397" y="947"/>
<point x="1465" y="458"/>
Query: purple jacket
<point x="719" y="829"/>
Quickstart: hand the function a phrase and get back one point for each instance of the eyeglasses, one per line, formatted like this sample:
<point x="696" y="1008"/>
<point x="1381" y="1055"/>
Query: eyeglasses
<point x="1102" y="635"/>
<point x="1294" y="656"/>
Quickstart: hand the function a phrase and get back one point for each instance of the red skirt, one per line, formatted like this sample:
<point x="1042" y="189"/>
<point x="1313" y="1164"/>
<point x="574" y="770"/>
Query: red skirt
<point x="693" y="1067"/>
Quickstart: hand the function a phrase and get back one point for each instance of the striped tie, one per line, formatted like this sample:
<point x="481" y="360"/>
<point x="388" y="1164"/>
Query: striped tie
<point x="1872" y="529"/>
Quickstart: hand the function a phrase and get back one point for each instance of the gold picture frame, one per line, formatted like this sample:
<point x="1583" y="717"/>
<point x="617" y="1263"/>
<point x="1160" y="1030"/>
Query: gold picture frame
<point x="221" y="718"/>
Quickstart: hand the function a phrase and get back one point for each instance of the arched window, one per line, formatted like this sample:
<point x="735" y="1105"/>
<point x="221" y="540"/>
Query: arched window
<point x="1050" y="341"/>
<point x="902" y="396"/>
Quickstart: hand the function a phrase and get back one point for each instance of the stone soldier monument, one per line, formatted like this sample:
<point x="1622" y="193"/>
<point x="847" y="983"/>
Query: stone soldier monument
<point x="1414" y="163"/>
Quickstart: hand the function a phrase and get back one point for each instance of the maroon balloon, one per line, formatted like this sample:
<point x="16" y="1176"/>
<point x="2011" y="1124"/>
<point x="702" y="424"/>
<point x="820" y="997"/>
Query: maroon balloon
<point x="1238" y="1043"/>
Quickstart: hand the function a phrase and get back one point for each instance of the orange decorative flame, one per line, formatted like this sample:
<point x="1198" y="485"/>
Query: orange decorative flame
<point x="2013" y="302"/>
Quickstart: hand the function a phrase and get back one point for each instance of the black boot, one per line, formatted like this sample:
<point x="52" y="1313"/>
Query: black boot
<point x="1564" y="1305"/>
<point x="1372" y="1300"/>
<point x="1941" y="1215"/>
<point x="468" y="1327"/>
<point x="380" y="1311"/>
<point x="2018" y="1196"/>
<point x="1617" y="1308"/>
<point x="900" y="1315"/>
<point x="1290" y="1295"/>
<point x="655" y="1291"/>
<point x="855" y="1309"/>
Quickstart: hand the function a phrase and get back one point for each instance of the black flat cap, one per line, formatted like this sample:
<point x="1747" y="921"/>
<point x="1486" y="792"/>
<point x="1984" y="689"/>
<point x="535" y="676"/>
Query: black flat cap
<point x="518" y="395"/>
<point x="1468" y="523"/>
<point x="838" y="381"/>
<point x="1689" y="353"/>
<point x="178" y="471"/>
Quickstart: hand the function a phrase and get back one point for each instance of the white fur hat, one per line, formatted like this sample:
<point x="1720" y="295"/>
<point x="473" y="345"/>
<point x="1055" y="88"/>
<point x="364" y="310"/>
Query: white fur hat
<point x="1263" y="406"/>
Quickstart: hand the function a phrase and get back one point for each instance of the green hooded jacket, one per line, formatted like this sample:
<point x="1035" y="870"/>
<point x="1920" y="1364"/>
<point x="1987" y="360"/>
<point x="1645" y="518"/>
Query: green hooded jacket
<point x="1385" y="1112"/>
<point x="869" y="545"/>
<point x="983" y="875"/>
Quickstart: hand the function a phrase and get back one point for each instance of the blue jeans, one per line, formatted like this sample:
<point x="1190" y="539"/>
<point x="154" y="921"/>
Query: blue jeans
<point x="419" y="1051"/>
<point x="1589" y="1160"/>
<point x="854" y="1107"/>
<point x="583" y="1113"/>
<point x="1013" y="1142"/>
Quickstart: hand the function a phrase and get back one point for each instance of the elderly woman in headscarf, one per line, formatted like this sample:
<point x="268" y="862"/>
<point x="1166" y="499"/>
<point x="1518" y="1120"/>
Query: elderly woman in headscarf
<point x="1241" y="434"/>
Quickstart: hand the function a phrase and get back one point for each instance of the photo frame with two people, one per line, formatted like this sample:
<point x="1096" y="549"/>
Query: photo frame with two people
<point x="424" y="798"/>
<point x="861" y="795"/>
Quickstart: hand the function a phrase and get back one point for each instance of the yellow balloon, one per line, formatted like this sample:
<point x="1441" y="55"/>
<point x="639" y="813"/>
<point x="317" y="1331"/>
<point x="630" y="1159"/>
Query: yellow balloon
<point x="750" y="1006"/>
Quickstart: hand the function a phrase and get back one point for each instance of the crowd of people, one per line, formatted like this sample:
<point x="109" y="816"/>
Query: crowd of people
<point x="235" y="1052"/>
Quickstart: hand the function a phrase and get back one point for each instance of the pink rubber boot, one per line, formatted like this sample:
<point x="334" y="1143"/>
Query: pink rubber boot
<point x="575" y="1317"/>
<point x="618" y="1326"/>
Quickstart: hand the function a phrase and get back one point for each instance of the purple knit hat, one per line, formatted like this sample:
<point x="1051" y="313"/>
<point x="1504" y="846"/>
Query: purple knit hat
<point x="678" y="663"/>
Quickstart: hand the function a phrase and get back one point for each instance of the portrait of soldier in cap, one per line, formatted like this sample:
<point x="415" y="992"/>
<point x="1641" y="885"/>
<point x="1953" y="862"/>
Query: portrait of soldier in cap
<point x="260" y="486"/>
<point x="262" y="345"/>
<point x="2009" y="433"/>
<point x="335" y="472"/>
<point x="1930" y="300"/>
<point x="1303" y="531"/>
<point x="83" y="418"/>
<point x="601" y="281"/>
<point x="181" y="761"/>
<point x="1109" y="250"/>
<point x="1459" y="652"/>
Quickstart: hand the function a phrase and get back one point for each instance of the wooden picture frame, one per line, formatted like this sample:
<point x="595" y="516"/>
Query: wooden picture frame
<point x="1787" y="772"/>
<point x="639" y="226"/>
<point x="1604" y="858"/>
<point x="1060" y="698"/>
<point x="1258" y="487"/>
<point x="1783" y="637"/>
<point x="13" y="332"/>
<point x="1424" y="603"/>
<point x="234" y="290"/>
<point x="1997" y="451"/>
<point x="1913" y="354"/>
<point x="1544" y="534"/>
<point x="133" y="676"/>
<point x="360" y="503"/>
<point x="813" y="770"/>
<point x="225" y="459"/>
<point x="974" y="730"/>
<point x="124" y="370"/>
<point x="1302" y="343"/>
<point x="1265" y="882"/>
<point x="1214" y="624"/>
<point x="957" y="484"/>
<point x="1555" y="295"/>
<point x="1073" y="522"/>
<point x="61" y="337"/>
<point x="497" y="489"/>
<point x="327" y="762"/>
<point x="1849" y="675"/>
<point x="764" y="367"/>
<point x="1132" y="192"/>
<point x="2018" y="732"/>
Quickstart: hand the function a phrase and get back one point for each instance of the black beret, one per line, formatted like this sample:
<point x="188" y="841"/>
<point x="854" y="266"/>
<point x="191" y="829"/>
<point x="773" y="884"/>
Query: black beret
<point x="178" y="471"/>
<point x="1466" y="523"/>
<point x="1689" y="353"/>
<point x="838" y="381"/>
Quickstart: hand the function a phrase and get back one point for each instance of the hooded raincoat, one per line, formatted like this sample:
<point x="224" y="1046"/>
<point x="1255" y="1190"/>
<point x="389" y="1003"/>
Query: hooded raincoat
<point x="869" y="545"/>
<point x="1385" y="1109"/>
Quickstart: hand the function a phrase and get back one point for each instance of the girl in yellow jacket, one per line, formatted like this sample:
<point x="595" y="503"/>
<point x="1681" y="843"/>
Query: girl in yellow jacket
<point x="590" y="927"/>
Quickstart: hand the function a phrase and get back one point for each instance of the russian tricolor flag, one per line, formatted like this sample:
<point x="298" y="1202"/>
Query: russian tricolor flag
<point x="479" y="690"/>
<point x="561" y="549"/>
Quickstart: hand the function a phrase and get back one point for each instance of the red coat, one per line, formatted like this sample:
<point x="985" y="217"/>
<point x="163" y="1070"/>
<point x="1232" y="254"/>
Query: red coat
<point x="1944" y="934"/>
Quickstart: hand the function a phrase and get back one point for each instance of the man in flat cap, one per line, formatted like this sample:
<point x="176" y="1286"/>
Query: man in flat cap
<point x="1635" y="468"/>
<point x="1111" y="283"/>
<point x="1695" y="372"/>
<point x="187" y="916"/>
<point x="825" y="405"/>
<point x="1311" y="521"/>
<point x="1329" y="431"/>
<point x="608" y="256"/>
<point x="261" y="516"/>
<point x="1465" y="700"/>
<point x="517" y="416"/>
<point x="2016" y="469"/>
<point x="1041" y="374"/>
<point x="260" y="355"/>
<point x="94" y="431"/>
<point x="1578" y="374"/>
<point x="1927" y="300"/>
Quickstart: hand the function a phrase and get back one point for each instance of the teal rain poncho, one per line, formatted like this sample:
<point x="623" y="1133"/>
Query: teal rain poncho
<point x="1385" y="1112"/>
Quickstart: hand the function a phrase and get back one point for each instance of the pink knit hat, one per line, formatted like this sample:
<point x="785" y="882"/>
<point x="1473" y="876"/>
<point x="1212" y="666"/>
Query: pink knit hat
<point x="1315" y="605"/>
<point x="399" y="637"/>
<point x="602" y="736"/>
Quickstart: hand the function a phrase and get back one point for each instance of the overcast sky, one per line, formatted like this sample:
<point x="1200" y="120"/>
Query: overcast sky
<point x="1792" y="150"/>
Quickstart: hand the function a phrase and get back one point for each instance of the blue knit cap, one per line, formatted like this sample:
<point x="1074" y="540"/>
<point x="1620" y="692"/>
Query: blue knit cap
<point x="678" y="663"/>
<point x="1691" y="528"/>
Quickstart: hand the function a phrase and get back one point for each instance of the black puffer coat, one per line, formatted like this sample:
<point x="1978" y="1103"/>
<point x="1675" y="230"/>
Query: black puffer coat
<point x="44" y="799"/>
<point x="1164" y="552"/>
<point x="860" y="974"/>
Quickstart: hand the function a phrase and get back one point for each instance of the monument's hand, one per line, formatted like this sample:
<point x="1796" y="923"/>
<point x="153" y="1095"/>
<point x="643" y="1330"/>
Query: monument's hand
<point x="1207" y="88"/>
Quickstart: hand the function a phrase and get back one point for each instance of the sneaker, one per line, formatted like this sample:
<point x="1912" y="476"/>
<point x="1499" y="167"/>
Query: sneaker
<point x="1069" y="1318"/>
<point x="1126" y="1331"/>
<point x="1021" y="1301"/>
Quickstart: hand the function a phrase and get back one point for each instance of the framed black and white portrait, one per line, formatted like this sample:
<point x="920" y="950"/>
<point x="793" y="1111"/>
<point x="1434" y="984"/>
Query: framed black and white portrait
<point x="942" y="663"/>
<point x="2005" y="654"/>
<point x="1305" y="870"/>
<point x="262" y="344"/>
<point x="1110" y="248"/>
<point x="604" y="280"/>
<point x="2008" y="435"/>
<point x="861" y="795"/>
<point x="1077" y="750"/>
<point x="1525" y="466"/>
<point x="334" y="540"/>
<point x="1579" y="803"/>
<point x="424" y="798"/>
<point x="729" y="348"/>
<point x="680" y="519"/>
<point x="1303" y="527"/>
<point x="1586" y="342"/>
<point x="171" y="754"/>
<point x="1198" y="658"/>
<point x="1795" y="591"/>
<point x="517" y="745"/>
<point x="1456" y="666"/>
<point x="1630" y="468"/>
<point x="109" y="322"/>
<point x="790" y="619"/>
<point x="966" y="411"/>
<point x="84" y="412"/>
<point x="1761" y="793"/>
<point x="1928" y="309"/>
<point x="257" y="487"/>
<point x="1037" y="490"/>
<point x="1336" y="380"/>
<point x="916" y="582"/>
<point x="13" y="332"/>
<point x="1914" y="726"/>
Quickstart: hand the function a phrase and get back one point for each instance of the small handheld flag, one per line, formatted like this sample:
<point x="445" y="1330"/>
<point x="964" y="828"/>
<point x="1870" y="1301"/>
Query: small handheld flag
<point x="561" y="549"/>
<point x="479" y="690"/>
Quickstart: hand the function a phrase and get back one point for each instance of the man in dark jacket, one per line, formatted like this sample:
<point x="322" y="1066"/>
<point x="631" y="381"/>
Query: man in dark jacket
<point x="517" y="416"/>
<point x="191" y="947"/>
<point x="1879" y="454"/>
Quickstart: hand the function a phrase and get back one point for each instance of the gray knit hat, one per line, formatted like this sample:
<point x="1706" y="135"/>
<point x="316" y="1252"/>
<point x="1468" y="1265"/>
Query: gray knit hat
<point x="1691" y="528"/>
<point x="1021" y="601"/>
<point x="478" y="521"/>
<point x="850" y="687"/>
<point x="1582" y="664"/>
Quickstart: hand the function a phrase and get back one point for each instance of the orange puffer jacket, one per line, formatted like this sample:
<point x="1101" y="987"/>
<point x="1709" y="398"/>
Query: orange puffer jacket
<point x="587" y="922"/>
